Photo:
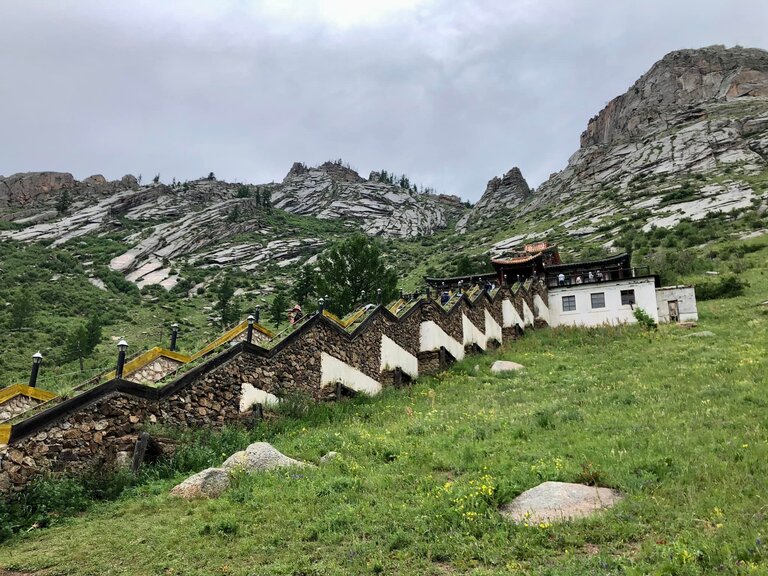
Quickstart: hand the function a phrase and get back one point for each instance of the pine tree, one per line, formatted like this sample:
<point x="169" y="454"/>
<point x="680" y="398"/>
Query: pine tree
<point x="63" y="202"/>
<point x="277" y="308"/>
<point x="226" y="305"/>
<point x="304" y="287"/>
<point x="82" y="341"/>
<point x="352" y="269"/>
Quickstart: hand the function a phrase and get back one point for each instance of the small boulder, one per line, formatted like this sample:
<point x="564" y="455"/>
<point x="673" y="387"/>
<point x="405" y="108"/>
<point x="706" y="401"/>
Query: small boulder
<point x="209" y="483"/>
<point x="259" y="456"/>
<point x="505" y="366"/>
<point x="702" y="334"/>
<point x="328" y="457"/>
<point x="559" y="501"/>
<point x="95" y="180"/>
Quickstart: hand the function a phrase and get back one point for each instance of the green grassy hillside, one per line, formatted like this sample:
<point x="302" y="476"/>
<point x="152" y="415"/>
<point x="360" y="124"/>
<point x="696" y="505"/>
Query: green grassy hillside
<point x="678" y="424"/>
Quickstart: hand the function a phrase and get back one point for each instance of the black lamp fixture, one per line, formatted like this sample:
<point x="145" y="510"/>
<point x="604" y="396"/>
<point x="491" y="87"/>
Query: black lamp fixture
<point x="174" y="335"/>
<point x="122" y="346"/>
<point x="249" y="334"/>
<point x="37" y="359"/>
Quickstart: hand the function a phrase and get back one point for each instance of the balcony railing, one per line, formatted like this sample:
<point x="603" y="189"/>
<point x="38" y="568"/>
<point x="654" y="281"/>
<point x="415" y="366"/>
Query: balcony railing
<point x="578" y="277"/>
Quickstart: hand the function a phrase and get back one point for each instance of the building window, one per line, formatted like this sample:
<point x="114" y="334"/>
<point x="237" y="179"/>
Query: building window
<point x="627" y="297"/>
<point x="598" y="300"/>
<point x="569" y="303"/>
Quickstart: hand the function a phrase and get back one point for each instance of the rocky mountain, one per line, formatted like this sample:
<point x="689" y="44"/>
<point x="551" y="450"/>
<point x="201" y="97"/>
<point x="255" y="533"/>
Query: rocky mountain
<point x="29" y="194"/>
<point x="334" y="191"/>
<point x="696" y="112"/>
<point x="689" y="138"/>
<point x="501" y="196"/>
<point x="208" y="223"/>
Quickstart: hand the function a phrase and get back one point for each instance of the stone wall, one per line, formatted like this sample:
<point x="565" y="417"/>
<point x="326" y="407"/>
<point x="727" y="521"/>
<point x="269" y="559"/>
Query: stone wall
<point x="155" y="371"/>
<point x="96" y="427"/>
<point x="16" y="405"/>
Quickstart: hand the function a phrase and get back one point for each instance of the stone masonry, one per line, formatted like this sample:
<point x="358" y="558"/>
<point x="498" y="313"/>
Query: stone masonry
<point x="99" y="431"/>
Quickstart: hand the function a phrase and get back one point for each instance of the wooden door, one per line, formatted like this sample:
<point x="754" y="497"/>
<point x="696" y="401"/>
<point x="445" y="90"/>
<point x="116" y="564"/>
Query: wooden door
<point x="674" y="312"/>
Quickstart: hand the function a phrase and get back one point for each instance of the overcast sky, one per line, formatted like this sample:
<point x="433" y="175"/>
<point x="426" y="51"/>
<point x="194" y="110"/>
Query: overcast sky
<point x="450" y="92"/>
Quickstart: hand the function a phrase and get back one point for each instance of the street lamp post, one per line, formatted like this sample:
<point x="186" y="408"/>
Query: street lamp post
<point x="249" y="334"/>
<point x="122" y="346"/>
<point x="174" y="335"/>
<point x="37" y="359"/>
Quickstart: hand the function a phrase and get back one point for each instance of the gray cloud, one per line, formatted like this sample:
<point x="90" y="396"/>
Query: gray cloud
<point x="451" y="92"/>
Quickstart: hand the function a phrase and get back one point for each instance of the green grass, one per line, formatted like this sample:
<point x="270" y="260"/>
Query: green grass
<point x="679" y="425"/>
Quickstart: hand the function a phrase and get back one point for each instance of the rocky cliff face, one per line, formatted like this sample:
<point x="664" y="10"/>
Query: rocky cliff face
<point x="213" y="224"/>
<point x="334" y="191"/>
<point x="674" y="91"/>
<point x="205" y="223"/>
<point x="689" y="138"/>
<point x="36" y="190"/>
<point x="501" y="197"/>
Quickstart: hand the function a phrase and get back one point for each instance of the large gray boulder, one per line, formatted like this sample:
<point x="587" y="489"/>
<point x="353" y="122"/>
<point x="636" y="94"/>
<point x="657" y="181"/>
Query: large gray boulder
<point x="505" y="366"/>
<point x="259" y="456"/>
<point x="559" y="501"/>
<point x="209" y="483"/>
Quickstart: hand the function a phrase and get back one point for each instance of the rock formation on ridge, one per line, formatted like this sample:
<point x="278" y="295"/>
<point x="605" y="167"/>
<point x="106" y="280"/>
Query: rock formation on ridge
<point x="690" y="137"/>
<point x="501" y="196"/>
<point x="334" y="191"/>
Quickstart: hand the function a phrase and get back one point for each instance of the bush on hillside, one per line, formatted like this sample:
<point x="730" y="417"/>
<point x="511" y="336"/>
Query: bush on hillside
<point x="727" y="287"/>
<point x="644" y="319"/>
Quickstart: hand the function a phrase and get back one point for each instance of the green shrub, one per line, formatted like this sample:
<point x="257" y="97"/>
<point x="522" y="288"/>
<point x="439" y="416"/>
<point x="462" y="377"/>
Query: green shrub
<point x="644" y="319"/>
<point x="727" y="287"/>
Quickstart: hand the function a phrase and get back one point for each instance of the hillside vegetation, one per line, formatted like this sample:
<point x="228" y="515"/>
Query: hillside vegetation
<point x="676" y="422"/>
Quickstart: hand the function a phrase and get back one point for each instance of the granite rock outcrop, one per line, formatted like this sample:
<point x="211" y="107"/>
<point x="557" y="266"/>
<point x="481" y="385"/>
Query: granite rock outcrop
<point x="335" y="191"/>
<point x="689" y="138"/>
<point x="501" y="197"/>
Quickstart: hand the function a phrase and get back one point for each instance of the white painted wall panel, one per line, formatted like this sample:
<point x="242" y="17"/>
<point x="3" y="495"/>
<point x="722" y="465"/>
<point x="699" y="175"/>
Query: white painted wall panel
<point x="528" y="316"/>
<point x="334" y="370"/>
<point x="541" y="309"/>
<point x="394" y="356"/>
<point x="492" y="328"/>
<point x="509" y="315"/>
<point x="472" y="334"/>
<point x="250" y="395"/>
<point x="432" y="337"/>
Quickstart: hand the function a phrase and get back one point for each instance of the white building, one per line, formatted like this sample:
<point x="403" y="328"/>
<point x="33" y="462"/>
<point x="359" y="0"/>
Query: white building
<point x="676" y="304"/>
<point x="597" y="292"/>
<point x="598" y="303"/>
